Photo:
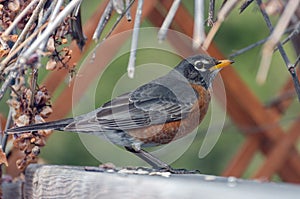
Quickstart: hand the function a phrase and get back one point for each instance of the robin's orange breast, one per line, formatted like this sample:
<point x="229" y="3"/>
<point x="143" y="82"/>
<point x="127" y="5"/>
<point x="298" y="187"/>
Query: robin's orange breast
<point x="165" y="133"/>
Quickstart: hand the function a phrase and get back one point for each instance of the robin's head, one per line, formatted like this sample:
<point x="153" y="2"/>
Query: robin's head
<point x="201" y="69"/>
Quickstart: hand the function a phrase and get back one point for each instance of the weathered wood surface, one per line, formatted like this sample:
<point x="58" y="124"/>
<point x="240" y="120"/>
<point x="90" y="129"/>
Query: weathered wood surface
<point x="50" y="181"/>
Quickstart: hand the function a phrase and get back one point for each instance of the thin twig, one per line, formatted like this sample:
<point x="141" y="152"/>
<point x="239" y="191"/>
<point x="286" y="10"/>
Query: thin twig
<point x="135" y="35"/>
<point x="245" y="5"/>
<point x="40" y="18"/>
<point x="296" y="31"/>
<point x="295" y="81"/>
<point x="118" y="6"/>
<point x="29" y="24"/>
<point x="225" y="10"/>
<point x="13" y="53"/>
<point x="211" y="13"/>
<point x="118" y="20"/>
<point x="11" y="88"/>
<point x="51" y="27"/>
<point x="51" y="11"/>
<point x="47" y="13"/>
<point x="199" y="32"/>
<point x="297" y="61"/>
<point x="3" y="44"/>
<point x="103" y="21"/>
<point x="112" y="28"/>
<point x="290" y="67"/>
<point x="274" y="39"/>
<point x="243" y="50"/>
<point x="77" y="9"/>
<point x="168" y="20"/>
<point x="18" y="19"/>
<point x="7" y="126"/>
<point x="56" y="4"/>
<point x="269" y="25"/>
<point x="223" y="3"/>
<point x="34" y="77"/>
<point x="7" y="83"/>
<point x="128" y="14"/>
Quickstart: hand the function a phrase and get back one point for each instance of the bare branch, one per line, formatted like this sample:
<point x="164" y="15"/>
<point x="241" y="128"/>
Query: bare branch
<point x="51" y="27"/>
<point x="199" y="32"/>
<point x="7" y="83"/>
<point x="295" y="32"/>
<point x="135" y="35"/>
<point x="18" y="18"/>
<point x="54" y="13"/>
<point x="225" y="10"/>
<point x="245" y="5"/>
<point x="243" y="50"/>
<point x="128" y="14"/>
<point x="103" y="21"/>
<point x="211" y="13"/>
<point x="28" y="25"/>
<point x="168" y="20"/>
<point x="7" y="59"/>
<point x="118" y="20"/>
<point x="281" y="50"/>
<point x="274" y="40"/>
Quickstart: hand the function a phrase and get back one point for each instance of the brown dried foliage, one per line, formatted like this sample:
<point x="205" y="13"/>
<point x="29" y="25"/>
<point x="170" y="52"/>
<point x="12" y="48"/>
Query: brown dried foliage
<point x="25" y="113"/>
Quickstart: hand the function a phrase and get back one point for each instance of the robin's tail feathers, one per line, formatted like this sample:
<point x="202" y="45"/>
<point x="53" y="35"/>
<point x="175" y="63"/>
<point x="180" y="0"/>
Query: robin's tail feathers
<point x="55" y="125"/>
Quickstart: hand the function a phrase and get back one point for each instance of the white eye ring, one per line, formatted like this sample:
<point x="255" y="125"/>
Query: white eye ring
<point x="202" y="69"/>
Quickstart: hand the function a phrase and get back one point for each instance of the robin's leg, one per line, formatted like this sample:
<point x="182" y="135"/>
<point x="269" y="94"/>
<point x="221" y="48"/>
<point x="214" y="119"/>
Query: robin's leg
<point x="157" y="163"/>
<point x="147" y="157"/>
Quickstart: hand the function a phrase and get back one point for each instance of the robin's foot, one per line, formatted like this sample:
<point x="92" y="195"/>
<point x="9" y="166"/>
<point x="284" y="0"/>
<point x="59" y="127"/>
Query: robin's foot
<point x="178" y="171"/>
<point x="157" y="164"/>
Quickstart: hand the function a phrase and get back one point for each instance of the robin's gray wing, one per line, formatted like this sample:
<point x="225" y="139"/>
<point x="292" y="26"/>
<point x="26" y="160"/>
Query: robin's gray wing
<point x="150" y="104"/>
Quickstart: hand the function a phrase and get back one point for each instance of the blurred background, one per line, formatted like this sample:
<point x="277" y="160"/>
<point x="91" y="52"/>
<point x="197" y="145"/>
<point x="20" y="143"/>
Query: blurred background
<point x="237" y="31"/>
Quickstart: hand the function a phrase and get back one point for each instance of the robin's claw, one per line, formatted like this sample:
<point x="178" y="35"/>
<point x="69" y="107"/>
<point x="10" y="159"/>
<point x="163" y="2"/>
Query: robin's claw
<point x="178" y="171"/>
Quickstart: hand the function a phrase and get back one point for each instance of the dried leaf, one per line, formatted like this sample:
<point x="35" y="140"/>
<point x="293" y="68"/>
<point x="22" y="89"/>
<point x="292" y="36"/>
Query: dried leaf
<point x="3" y="158"/>
<point x="47" y="110"/>
<point x="50" y="44"/>
<point x="51" y="64"/>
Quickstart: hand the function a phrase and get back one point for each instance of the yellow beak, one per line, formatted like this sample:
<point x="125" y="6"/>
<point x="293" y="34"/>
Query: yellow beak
<point x="222" y="64"/>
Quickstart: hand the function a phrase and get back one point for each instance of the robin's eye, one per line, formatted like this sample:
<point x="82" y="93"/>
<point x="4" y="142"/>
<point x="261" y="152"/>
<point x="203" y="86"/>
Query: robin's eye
<point x="199" y="65"/>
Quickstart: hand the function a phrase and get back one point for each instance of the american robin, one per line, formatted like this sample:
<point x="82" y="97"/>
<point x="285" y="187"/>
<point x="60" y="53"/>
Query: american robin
<point x="155" y="113"/>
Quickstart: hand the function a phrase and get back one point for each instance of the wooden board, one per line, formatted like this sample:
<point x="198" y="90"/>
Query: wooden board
<point x="51" y="181"/>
